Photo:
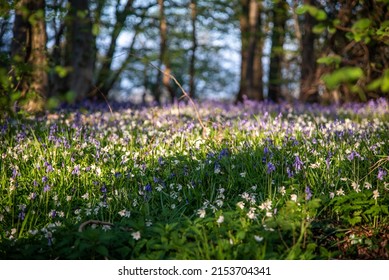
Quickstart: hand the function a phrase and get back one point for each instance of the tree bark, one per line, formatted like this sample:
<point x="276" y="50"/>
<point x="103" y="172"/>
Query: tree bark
<point x="280" y="11"/>
<point x="251" y="85"/>
<point x="192" y="67"/>
<point x="79" y="56"/>
<point x="163" y="79"/>
<point x="104" y="78"/>
<point x="308" y="90"/>
<point x="28" y="50"/>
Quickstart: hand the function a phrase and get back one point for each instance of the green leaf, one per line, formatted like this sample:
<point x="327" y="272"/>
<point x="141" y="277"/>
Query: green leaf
<point x="331" y="59"/>
<point x="321" y="15"/>
<point x="383" y="32"/>
<point x="374" y="85"/>
<point x="355" y="220"/>
<point x="318" y="14"/>
<point x="82" y="14"/>
<point x="241" y="235"/>
<point x="375" y="210"/>
<point x="360" y="30"/>
<point x="342" y="75"/>
<point x="52" y="103"/>
<point x="61" y="71"/>
<point x="302" y="9"/>
<point x="336" y="22"/>
<point x="36" y="16"/>
<point x="15" y="96"/>
<point x="331" y="29"/>
<point x="385" y="81"/>
<point x="84" y="246"/>
<point x="381" y="83"/>
<point x="314" y="204"/>
<point x="102" y="250"/>
<point x="95" y="29"/>
<point x="384" y="209"/>
<point x="319" y="28"/>
<point x="123" y="251"/>
<point x="70" y="96"/>
<point x="357" y="37"/>
<point x="361" y="24"/>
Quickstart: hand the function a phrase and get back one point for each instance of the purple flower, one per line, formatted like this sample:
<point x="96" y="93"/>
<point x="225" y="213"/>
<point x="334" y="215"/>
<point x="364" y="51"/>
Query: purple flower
<point x="298" y="164"/>
<point x="223" y="153"/>
<point x="148" y="188"/>
<point x="328" y="162"/>
<point x="15" y="173"/>
<point x="381" y="174"/>
<point x="76" y="170"/>
<point x="49" y="168"/>
<point x="290" y="172"/>
<point x="353" y="155"/>
<point x="308" y="193"/>
<point x="46" y="188"/>
<point x="270" y="168"/>
<point x="190" y="126"/>
<point x="44" y="179"/>
<point x="32" y="196"/>
<point x="21" y="215"/>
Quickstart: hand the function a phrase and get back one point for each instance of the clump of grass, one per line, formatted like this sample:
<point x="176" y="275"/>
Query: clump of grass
<point x="261" y="184"/>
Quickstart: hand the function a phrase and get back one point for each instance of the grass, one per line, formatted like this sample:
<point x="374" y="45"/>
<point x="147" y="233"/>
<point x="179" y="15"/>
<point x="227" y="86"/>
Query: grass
<point x="262" y="182"/>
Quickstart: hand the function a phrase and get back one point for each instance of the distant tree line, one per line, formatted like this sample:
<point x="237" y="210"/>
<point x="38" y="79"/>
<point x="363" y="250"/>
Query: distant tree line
<point x="54" y="51"/>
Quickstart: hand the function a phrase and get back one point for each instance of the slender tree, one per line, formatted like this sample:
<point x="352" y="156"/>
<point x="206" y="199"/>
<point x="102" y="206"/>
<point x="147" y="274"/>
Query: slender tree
<point x="280" y="15"/>
<point x="192" y="69"/>
<point x="104" y="76"/>
<point x="28" y="50"/>
<point x="251" y="51"/>
<point x="79" y="57"/>
<point x="163" y="79"/>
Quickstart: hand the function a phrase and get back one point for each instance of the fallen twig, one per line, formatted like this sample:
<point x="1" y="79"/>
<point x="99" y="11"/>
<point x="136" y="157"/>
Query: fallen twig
<point x="93" y="222"/>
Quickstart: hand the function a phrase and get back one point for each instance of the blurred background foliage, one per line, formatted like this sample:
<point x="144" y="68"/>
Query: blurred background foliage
<point x="65" y="51"/>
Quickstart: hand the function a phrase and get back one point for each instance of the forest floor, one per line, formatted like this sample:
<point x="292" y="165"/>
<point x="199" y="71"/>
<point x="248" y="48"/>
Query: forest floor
<point x="248" y="181"/>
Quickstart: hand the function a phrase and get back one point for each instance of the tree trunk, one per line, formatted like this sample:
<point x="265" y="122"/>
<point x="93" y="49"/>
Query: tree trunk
<point x="28" y="50"/>
<point x="79" y="56"/>
<point x="251" y="86"/>
<point x="280" y="11"/>
<point x="163" y="79"/>
<point x="57" y="52"/>
<point x="257" y="83"/>
<point x="192" y="69"/>
<point x="104" y="78"/>
<point x="308" y="90"/>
